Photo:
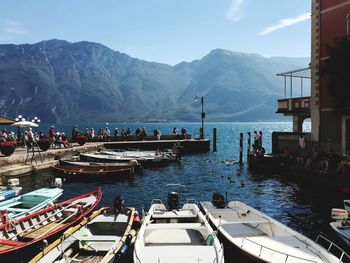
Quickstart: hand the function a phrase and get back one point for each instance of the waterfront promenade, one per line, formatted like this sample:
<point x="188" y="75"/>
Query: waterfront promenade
<point x="23" y="163"/>
<point x="19" y="164"/>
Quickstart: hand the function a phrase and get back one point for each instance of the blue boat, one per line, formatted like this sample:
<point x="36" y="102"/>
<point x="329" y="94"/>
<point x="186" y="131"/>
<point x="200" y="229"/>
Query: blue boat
<point x="6" y="194"/>
<point x="11" y="190"/>
<point x="28" y="203"/>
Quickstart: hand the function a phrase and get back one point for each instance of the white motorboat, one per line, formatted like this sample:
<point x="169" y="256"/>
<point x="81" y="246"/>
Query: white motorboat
<point x="168" y="154"/>
<point x="342" y="224"/>
<point x="176" y="234"/>
<point x="145" y="160"/>
<point x="249" y="235"/>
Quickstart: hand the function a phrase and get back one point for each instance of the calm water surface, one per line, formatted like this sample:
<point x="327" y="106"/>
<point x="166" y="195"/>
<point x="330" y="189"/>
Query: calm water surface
<point x="303" y="208"/>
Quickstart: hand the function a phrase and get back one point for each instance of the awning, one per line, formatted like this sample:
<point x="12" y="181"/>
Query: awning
<point x="6" y="121"/>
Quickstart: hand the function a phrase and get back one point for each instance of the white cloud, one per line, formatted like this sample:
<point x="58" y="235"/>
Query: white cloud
<point x="286" y="22"/>
<point x="14" y="27"/>
<point x="235" y="12"/>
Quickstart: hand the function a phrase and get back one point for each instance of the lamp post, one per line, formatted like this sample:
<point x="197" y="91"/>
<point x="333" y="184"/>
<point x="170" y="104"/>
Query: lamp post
<point x="201" y="132"/>
<point x="36" y="120"/>
<point x="19" y="118"/>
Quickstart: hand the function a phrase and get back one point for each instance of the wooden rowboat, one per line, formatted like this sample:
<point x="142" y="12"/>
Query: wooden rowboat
<point x="102" y="237"/>
<point x="72" y="172"/>
<point x="20" y="239"/>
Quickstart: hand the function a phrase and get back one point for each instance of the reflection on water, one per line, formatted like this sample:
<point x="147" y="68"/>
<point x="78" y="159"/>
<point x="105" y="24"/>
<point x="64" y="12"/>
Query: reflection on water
<point x="303" y="208"/>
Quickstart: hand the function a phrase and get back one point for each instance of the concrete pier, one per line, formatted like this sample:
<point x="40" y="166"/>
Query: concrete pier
<point x="16" y="165"/>
<point x="189" y="145"/>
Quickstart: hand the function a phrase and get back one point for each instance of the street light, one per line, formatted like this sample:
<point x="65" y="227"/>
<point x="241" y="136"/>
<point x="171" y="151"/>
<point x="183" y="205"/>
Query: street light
<point x="201" y="132"/>
<point x="36" y="120"/>
<point x="19" y="118"/>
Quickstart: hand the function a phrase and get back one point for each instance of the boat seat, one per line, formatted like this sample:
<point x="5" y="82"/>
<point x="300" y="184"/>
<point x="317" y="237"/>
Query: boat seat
<point x="17" y="210"/>
<point x="163" y="236"/>
<point x="242" y="230"/>
<point x="98" y="243"/>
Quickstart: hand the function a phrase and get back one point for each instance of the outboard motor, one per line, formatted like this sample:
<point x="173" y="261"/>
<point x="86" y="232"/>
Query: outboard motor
<point x="118" y="205"/>
<point x="173" y="200"/>
<point x="218" y="200"/>
<point x="11" y="183"/>
<point x="57" y="183"/>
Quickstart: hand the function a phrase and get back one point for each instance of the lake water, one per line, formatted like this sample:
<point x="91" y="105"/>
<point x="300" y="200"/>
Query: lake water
<point x="303" y="208"/>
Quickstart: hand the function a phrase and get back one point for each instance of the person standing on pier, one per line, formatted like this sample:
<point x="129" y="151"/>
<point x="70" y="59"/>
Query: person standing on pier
<point x="116" y="132"/>
<point x="75" y="133"/>
<point x="256" y="143"/>
<point x="92" y="134"/>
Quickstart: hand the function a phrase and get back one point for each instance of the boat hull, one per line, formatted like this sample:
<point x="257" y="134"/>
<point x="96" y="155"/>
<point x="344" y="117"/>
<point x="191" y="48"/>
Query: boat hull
<point x="91" y="173"/>
<point x="25" y="247"/>
<point x="233" y="253"/>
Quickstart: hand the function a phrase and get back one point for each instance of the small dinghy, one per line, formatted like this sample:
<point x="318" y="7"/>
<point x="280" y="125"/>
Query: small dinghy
<point x="176" y="234"/>
<point x="102" y="237"/>
<point x="251" y="236"/>
<point x="11" y="190"/>
<point x="342" y="224"/>
<point x="28" y="203"/>
<point x="20" y="239"/>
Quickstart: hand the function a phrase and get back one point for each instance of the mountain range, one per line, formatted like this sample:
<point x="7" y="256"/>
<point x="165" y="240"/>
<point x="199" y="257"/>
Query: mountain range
<point x="59" y="81"/>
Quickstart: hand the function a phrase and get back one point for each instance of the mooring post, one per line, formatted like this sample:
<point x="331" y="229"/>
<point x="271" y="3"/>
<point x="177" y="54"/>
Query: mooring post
<point x="214" y="139"/>
<point x="241" y="147"/>
<point x="249" y="143"/>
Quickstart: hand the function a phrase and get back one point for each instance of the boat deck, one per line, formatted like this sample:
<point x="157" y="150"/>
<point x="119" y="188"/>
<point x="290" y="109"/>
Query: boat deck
<point x="43" y="230"/>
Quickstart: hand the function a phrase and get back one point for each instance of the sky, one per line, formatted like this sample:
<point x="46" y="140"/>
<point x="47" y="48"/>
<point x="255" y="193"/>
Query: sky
<point x="166" y="31"/>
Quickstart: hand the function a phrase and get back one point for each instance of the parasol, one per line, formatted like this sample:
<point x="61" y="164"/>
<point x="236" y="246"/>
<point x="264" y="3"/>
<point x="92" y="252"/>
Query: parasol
<point x="24" y="124"/>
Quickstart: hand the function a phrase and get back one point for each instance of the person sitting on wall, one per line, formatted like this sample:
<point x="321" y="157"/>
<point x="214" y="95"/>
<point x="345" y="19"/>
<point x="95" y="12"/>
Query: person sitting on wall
<point x="65" y="141"/>
<point x="156" y="133"/>
<point x="344" y="164"/>
<point x="123" y="134"/>
<point x="175" y="131"/>
<point x="116" y="132"/>
<point x="183" y="132"/>
<point x="128" y="132"/>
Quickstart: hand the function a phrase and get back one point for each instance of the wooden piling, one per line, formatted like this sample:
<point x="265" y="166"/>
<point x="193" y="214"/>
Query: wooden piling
<point x="249" y="143"/>
<point x="241" y="147"/>
<point x="214" y="139"/>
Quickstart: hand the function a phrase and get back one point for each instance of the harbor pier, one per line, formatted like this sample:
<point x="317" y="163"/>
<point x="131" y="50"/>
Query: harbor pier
<point x="21" y="163"/>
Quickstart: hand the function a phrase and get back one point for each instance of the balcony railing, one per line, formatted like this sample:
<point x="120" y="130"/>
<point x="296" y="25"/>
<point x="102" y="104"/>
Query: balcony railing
<point x="294" y="105"/>
<point x="294" y="101"/>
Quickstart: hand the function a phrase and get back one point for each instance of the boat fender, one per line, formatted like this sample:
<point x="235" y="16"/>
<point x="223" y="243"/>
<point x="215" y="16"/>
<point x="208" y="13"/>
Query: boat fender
<point x="49" y="204"/>
<point x="136" y="221"/>
<point x="121" y="253"/>
<point x="210" y="240"/>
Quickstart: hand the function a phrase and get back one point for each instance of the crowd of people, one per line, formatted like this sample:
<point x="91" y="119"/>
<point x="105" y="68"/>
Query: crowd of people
<point x="58" y="139"/>
<point x="105" y="134"/>
<point x="6" y="135"/>
<point x="317" y="160"/>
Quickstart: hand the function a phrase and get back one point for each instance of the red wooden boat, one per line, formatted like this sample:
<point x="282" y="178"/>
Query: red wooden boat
<point x="23" y="238"/>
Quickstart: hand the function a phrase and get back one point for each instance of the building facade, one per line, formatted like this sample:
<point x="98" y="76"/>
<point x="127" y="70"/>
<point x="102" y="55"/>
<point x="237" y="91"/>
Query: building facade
<point x="330" y="126"/>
